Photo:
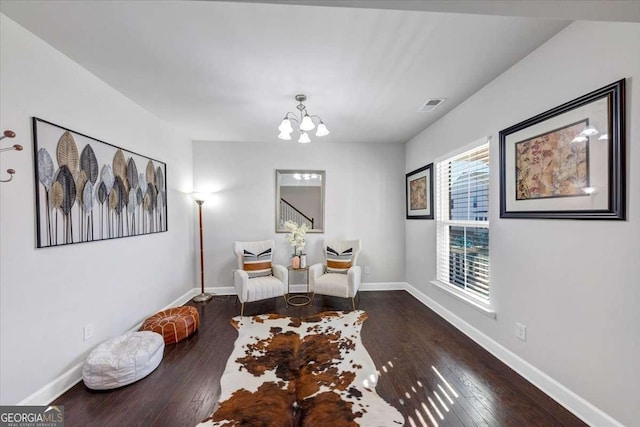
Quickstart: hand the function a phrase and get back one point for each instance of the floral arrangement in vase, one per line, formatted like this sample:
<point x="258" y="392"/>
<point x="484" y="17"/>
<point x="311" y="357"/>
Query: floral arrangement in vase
<point x="296" y="239"/>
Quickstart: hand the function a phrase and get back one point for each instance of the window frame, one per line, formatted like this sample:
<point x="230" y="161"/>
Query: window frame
<point x="442" y="226"/>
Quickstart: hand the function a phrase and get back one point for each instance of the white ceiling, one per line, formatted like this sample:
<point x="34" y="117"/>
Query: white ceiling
<point x="584" y="10"/>
<point x="228" y="71"/>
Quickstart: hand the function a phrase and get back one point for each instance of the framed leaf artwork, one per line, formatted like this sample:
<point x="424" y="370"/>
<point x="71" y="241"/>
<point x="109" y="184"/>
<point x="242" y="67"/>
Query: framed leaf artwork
<point x="568" y="162"/>
<point x="88" y="190"/>
<point x="419" y="193"/>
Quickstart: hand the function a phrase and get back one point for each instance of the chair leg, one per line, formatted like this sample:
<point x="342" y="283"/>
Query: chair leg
<point x="312" y="297"/>
<point x="242" y="310"/>
<point x="353" y="303"/>
<point x="286" y="304"/>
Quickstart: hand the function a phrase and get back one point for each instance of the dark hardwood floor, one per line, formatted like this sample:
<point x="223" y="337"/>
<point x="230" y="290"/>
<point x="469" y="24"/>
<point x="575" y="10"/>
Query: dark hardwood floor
<point x="431" y="372"/>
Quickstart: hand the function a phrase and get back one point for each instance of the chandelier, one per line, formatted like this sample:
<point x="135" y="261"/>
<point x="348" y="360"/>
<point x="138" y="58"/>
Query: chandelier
<point x="305" y="124"/>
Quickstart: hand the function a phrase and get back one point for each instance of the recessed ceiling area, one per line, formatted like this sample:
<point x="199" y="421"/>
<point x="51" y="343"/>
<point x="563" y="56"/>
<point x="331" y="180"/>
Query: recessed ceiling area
<point x="229" y="71"/>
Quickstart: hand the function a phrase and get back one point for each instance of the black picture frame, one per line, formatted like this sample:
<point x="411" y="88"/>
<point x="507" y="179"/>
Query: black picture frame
<point x="546" y="174"/>
<point x="69" y="166"/>
<point x="419" y="193"/>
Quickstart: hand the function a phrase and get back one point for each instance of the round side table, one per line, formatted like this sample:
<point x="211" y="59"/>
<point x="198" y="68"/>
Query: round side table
<point x="298" y="299"/>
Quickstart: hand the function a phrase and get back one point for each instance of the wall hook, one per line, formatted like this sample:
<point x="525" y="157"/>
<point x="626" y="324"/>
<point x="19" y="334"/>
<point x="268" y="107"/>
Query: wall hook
<point x="17" y="147"/>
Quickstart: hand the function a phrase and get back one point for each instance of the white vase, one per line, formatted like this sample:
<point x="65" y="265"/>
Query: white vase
<point x="303" y="261"/>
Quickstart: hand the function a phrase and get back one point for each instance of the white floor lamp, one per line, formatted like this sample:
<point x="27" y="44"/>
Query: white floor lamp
<point x="203" y="297"/>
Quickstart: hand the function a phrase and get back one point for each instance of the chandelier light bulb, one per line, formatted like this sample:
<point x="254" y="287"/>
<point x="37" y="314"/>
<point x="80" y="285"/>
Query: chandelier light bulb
<point x="285" y="126"/>
<point x="285" y="135"/>
<point x="304" y="138"/>
<point x="307" y="123"/>
<point x="322" y="129"/>
<point x="603" y="137"/>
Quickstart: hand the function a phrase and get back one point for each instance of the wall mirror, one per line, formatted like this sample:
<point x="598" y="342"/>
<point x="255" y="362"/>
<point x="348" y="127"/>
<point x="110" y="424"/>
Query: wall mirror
<point x="300" y="198"/>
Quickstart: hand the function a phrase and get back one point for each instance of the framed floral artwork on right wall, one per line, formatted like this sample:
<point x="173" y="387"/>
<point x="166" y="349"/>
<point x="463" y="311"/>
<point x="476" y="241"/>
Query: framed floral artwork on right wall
<point x="568" y="162"/>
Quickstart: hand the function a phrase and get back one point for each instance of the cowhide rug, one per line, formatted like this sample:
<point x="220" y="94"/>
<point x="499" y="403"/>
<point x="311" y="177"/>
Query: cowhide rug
<point x="311" y="372"/>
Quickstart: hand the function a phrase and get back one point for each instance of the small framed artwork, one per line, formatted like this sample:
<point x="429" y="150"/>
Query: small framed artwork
<point x="568" y="162"/>
<point x="419" y="193"/>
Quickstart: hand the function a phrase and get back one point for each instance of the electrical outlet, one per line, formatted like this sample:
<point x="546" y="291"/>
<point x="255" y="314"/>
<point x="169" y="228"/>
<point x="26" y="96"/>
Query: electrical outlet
<point x="366" y="269"/>
<point x="88" y="331"/>
<point x="521" y="331"/>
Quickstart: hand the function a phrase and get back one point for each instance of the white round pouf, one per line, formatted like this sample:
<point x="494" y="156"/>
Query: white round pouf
<point x="123" y="360"/>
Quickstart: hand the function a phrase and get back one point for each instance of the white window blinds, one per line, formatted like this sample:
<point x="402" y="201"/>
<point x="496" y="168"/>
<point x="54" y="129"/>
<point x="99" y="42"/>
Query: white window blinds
<point x="462" y="217"/>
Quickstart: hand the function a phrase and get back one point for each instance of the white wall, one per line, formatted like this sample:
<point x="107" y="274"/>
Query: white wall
<point x="575" y="284"/>
<point x="364" y="199"/>
<point x="48" y="295"/>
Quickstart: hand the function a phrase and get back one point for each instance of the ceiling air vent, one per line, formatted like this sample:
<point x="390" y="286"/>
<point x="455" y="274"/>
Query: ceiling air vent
<point x="431" y="105"/>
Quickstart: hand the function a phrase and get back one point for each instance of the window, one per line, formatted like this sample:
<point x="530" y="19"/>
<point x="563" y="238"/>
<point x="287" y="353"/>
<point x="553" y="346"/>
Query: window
<point x="462" y="219"/>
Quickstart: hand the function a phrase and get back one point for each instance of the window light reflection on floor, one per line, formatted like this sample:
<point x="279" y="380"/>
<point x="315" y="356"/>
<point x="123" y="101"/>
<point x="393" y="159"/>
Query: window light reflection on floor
<point x="422" y="421"/>
<point x="435" y="407"/>
<point x="432" y="408"/>
<point x="445" y="382"/>
<point x="429" y="414"/>
<point x="443" y="394"/>
<point x="435" y="393"/>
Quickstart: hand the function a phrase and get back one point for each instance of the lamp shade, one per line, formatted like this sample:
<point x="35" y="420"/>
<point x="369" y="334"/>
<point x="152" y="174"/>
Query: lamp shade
<point x="307" y="123"/>
<point x="322" y="130"/>
<point x="285" y="126"/>
<point x="285" y="135"/>
<point x="304" y="138"/>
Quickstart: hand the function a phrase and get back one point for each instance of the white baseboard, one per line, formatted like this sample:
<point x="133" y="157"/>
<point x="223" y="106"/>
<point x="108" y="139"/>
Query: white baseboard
<point x="182" y="299"/>
<point x="302" y="287"/>
<point x="51" y="391"/>
<point x="383" y="286"/>
<point x="217" y="290"/>
<point x="558" y="392"/>
<point x="298" y="288"/>
<point x="54" y="389"/>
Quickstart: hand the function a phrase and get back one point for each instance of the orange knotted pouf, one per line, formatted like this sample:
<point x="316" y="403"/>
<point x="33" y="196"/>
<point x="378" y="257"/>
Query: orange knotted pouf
<point x="174" y="324"/>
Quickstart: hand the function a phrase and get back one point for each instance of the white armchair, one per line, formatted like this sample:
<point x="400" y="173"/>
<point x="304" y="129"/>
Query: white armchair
<point x="258" y="288"/>
<point x="337" y="284"/>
